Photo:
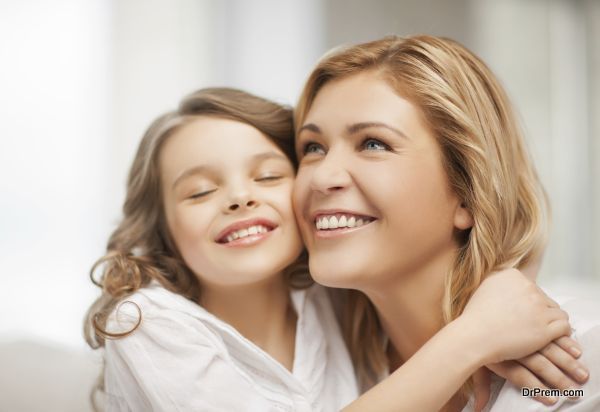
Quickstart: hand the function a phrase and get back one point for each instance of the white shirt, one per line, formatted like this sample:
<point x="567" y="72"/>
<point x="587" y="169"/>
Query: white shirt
<point x="182" y="358"/>
<point x="584" y="317"/>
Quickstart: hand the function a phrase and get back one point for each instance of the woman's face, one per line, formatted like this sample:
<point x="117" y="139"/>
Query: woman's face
<point x="227" y="194"/>
<point x="372" y="197"/>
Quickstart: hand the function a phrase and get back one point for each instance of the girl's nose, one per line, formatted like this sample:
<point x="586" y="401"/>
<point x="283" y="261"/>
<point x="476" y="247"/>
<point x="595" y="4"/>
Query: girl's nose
<point x="241" y="197"/>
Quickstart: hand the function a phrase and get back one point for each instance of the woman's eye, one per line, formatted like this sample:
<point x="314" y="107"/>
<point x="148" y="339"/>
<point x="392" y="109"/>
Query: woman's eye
<point x="312" y="147"/>
<point x="268" y="178"/>
<point x="374" y="144"/>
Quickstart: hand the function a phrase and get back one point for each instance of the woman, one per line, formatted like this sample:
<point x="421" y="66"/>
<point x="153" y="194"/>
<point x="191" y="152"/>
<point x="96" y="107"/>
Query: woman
<point x="414" y="182"/>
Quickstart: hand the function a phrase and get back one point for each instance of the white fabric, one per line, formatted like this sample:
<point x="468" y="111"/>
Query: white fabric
<point x="584" y="317"/>
<point x="182" y="358"/>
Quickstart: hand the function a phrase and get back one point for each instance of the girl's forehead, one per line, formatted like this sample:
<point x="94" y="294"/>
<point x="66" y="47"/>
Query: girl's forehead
<point x="213" y="144"/>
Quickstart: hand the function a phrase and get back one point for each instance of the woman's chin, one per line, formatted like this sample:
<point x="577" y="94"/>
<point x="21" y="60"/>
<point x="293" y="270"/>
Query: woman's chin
<point x="335" y="273"/>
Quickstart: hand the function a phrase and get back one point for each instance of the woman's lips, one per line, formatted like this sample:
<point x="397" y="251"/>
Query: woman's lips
<point x="333" y="223"/>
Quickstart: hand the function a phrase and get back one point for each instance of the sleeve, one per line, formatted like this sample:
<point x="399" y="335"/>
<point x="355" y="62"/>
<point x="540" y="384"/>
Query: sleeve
<point x="173" y="362"/>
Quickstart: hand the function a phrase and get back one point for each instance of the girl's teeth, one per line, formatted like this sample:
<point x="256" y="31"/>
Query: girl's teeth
<point x="342" y="222"/>
<point x="252" y="230"/>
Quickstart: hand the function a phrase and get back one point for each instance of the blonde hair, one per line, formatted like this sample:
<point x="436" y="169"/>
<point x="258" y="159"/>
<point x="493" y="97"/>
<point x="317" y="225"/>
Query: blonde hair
<point x="484" y="156"/>
<point x="141" y="249"/>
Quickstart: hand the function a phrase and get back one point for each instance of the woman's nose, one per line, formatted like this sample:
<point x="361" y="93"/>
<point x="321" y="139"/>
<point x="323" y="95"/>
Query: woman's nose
<point x="331" y="175"/>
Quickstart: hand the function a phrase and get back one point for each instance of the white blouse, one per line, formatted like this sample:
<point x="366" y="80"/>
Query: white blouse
<point x="182" y="358"/>
<point x="584" y="316"/>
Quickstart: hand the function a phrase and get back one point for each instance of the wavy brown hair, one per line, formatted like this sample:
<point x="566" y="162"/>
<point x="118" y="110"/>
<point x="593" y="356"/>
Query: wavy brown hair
<point x="484" y="155"/>
<point x="141" y="249"/>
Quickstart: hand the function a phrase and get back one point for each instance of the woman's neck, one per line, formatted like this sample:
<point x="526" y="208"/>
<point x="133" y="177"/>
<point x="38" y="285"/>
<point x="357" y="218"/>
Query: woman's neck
<point x="260" y="312"/>
<point x="410" y="311"/>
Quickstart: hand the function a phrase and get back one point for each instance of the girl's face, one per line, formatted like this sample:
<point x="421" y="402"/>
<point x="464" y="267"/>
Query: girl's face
<point x="227" y="197"/>
<point x="372" y="197"/>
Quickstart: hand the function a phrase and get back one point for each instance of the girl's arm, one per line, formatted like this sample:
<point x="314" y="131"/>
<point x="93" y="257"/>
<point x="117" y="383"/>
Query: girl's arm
<point x="508" y="317"/>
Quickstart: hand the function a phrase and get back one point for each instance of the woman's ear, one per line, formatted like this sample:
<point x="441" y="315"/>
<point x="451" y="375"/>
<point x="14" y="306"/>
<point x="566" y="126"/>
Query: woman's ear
<point x="463" y="219"/>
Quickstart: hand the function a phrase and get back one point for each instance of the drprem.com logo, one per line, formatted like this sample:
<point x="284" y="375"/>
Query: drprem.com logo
<point x="533" y="392"/>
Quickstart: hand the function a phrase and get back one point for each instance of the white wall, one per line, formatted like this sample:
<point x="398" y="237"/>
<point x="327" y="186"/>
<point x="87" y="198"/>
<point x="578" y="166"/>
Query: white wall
<point x="54" y="131"/>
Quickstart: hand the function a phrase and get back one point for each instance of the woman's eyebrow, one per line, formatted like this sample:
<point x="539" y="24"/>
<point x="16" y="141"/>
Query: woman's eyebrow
<point x="357" y="127"/>
<point x="310" y="127"/>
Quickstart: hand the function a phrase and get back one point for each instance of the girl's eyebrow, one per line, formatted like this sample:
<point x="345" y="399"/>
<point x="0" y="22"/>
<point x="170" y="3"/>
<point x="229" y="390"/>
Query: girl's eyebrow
<point x="268" y="155"/>
<point x="203" y="169"/>
<point x="192" y="171"/>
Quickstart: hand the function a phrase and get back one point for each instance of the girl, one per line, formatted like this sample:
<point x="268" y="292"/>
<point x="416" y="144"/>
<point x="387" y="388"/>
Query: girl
<point x="414" y="182"/>
<point x="196" y="311"/>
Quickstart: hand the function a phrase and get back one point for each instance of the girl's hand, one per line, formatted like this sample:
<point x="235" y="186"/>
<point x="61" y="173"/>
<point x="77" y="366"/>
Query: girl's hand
<point x="510" y="317"/>
<point x="555" y="366"/>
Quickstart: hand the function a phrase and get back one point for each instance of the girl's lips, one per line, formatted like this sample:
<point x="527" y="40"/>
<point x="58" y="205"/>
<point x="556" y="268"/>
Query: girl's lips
<point x="244" y="224"/>
<point x="249" y="240"/>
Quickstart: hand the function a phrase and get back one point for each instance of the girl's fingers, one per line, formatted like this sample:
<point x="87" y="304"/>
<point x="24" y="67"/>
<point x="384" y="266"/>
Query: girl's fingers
<point x="521" y="377"/>
<point x="557" y="328"/>
<point x="557" y="314"/>
<point x="564" y="360"/>
<point x="547" y="371"/>
<point x="549" y="301"/>
<point x="570" y="345"/>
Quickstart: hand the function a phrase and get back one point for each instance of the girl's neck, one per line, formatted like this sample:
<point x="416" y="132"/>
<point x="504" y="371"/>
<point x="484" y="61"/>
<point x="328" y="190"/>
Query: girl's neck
<point x="260" y="312"/>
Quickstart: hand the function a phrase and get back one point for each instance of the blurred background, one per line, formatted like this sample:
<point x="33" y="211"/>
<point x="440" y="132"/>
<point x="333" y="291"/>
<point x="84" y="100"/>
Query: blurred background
<point x="80" y="80"/>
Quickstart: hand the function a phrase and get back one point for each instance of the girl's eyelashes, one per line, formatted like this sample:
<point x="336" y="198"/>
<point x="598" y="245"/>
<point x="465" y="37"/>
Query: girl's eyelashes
<point x="268" y="178"/>
<point x="373" y="144"/>
<point x="201" y="194"/>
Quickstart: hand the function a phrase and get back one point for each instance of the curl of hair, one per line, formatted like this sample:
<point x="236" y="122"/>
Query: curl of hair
<point x="484" y="155"/>
<point x="141" y="250"/>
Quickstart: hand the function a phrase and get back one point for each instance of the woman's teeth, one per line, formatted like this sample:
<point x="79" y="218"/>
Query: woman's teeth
<point x="242" y="233"/>
<point x="341" y="221"/>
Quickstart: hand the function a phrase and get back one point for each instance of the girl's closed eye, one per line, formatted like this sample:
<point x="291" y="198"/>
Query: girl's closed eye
<point x="201" y="194"/>
<point x="268" y="178"/>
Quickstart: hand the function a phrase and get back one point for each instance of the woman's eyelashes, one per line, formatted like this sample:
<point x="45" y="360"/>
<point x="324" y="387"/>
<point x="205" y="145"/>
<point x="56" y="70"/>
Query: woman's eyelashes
<point x="312" y="148"/>
<point x="367" y="144"/>
<point x="373" y="144"/>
